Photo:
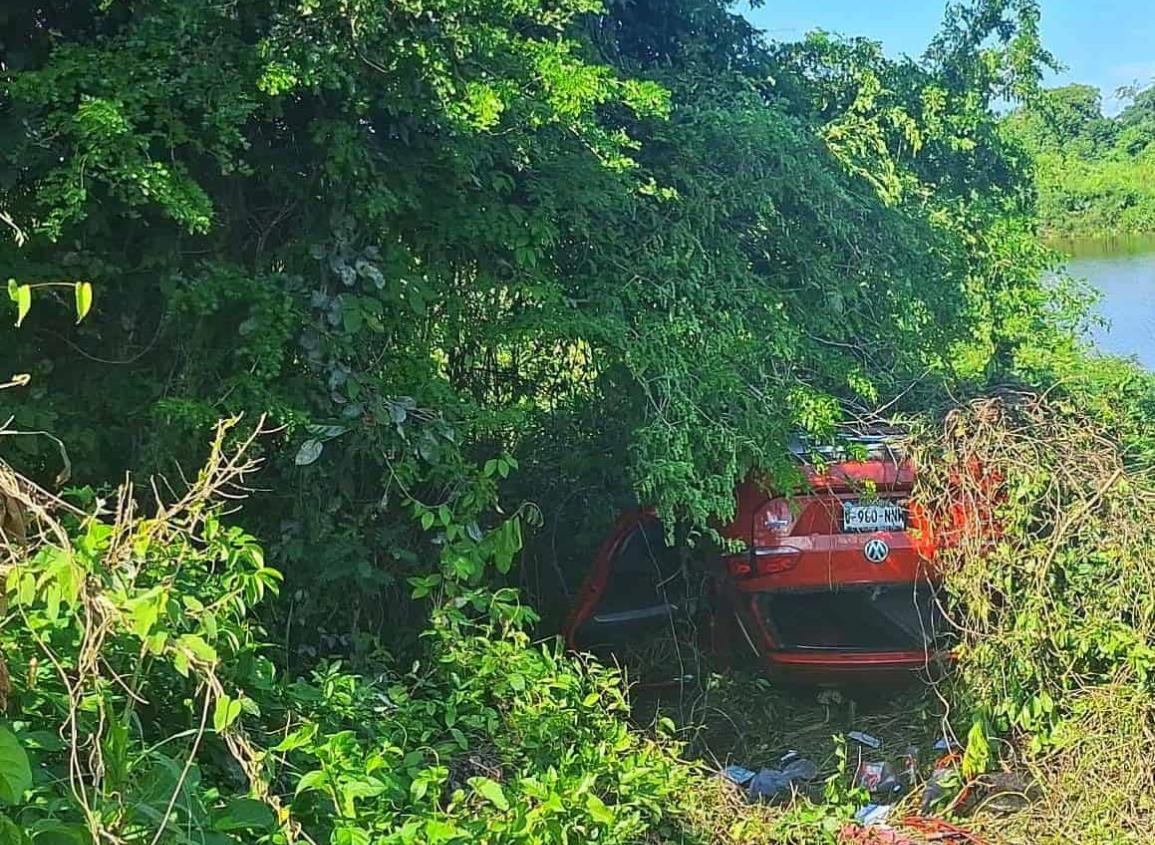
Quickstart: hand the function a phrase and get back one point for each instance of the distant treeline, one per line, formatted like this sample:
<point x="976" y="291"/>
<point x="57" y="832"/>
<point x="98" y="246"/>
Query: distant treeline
<point x="1095" y="174"/>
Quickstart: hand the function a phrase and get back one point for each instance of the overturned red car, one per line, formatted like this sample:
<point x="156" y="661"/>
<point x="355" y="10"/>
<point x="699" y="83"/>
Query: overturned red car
<point x="832" y="580"/>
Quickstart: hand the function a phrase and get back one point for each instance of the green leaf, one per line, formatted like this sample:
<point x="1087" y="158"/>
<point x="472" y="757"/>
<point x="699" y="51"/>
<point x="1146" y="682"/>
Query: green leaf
<point x="145" y="610"/>
<point x="437" y="830"/>
<point x="10" y="834"/>
<point x="198" y="648"/>
<point x="491" y="791"/>
<point x="245" y="814"/>
<point x="310" y="450"/>
<point x="83" y="291"/>
<point x="299" y="738"/>
<point x="326" y="432"/>
<point x="15" y="772"/>
<point x="180" y="663"/>
<point x="43" y="741"/>
<point x="23" y="297"/>
<point x="56" y="833"/>
<point x="316" y="779"/>
<point x="364" y="788"/>
<point x="225" y="712"/>
<point x="350" y="834"/>
<point x="351" y="316"/>
<point x="418" y="788"/>
<point x="598" y="810"/>
<point x="977" y="755"/>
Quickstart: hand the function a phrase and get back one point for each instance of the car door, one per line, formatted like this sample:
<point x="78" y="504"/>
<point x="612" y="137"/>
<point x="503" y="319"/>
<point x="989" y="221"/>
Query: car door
<point x="634" y="604"/>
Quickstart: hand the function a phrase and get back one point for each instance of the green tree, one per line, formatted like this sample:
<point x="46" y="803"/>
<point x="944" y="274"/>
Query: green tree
<point x="1093" y="173"/>
<point x="1067" y="120"/>
<point x="634" y="249"/>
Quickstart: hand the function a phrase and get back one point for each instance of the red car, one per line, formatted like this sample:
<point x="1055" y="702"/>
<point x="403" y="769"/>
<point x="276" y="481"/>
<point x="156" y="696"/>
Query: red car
<point x="833" y="580"/>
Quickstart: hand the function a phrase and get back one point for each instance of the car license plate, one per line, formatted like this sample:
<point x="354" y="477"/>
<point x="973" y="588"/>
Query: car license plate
<point x="876" y="516"/>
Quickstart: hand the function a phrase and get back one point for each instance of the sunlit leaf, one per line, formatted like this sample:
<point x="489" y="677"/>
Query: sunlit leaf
<point x="15" y="772"/>
<point x="491" y="791"/>
<point x="225" y="712"/>
<point x="309" y="452"/>
<point x="83" y="292"/>
<point x="244" y="814"/>
<point x="23" y="297"/>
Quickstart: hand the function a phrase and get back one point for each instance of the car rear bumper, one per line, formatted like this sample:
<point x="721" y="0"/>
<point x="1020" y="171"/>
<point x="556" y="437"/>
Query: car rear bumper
<point x="846" y="666"/>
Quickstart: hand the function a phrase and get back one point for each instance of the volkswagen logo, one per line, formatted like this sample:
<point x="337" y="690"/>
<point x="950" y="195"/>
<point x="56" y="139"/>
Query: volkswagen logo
<point x="876" y="551"/>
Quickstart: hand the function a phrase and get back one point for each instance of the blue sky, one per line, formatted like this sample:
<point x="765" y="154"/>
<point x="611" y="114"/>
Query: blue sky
<point x="1108" y="43"/>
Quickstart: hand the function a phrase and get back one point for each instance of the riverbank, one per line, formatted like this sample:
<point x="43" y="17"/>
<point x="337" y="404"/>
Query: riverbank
<point x="1106" y="244"/>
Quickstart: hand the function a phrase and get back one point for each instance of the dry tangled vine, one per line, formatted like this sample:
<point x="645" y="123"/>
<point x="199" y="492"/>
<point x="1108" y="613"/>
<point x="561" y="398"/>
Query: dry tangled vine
<point x="32" y="527"/>
<point x="1046" y="519"/>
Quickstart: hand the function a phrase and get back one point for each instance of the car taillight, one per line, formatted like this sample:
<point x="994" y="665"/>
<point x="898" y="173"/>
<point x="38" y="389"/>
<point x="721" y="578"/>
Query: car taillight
<point x="769" y="560"/>
<point x="921" y="532"/>
<point x="762" y="561"/>
<point x="739" y="566"/>
<point x="773" y="522"/>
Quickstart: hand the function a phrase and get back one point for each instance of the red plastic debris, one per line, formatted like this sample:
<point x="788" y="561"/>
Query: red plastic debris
<point x="942" y="831"/>
<point x="856" y="834"/>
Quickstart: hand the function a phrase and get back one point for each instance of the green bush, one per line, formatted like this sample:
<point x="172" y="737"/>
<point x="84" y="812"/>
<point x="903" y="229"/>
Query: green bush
<point x="494" y="741"/>
<point x="1093" y="173"/>
<point x="144" y="706"/>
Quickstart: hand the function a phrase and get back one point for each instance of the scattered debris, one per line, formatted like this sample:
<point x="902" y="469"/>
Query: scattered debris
<point x="943" y="780"/>
<point x="879" y="822"/>
<point x="857" y="834"/>
<point x="865" y="739"/>
<point x="910" y="766"/>
<point x="873" y="814"/>
<point x="870" y="775"/>
<point x="941" y="831"/>
<point x="772" y="784"/>
<point x="738" y="775"/>
<point x="880" y="779"/>
<point x="1006" y="792"/>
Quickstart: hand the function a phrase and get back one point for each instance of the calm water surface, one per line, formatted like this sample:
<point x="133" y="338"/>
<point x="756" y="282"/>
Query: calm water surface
<point x="1124" y="270"/>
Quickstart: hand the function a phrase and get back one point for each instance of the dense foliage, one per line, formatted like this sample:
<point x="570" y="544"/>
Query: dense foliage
<point x="147" y="706"/>
<point x="148" y="709"/>
<point x="633" y="249"/>
<point x="490" y="266"/>
<point x="1094" y="173"/>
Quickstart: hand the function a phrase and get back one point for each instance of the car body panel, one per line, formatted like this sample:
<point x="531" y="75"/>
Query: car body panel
<point x="797" y="556"/>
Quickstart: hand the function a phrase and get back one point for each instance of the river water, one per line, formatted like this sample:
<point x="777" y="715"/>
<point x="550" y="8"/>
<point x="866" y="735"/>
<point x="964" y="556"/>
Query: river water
<point x="1123" y="269"/>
